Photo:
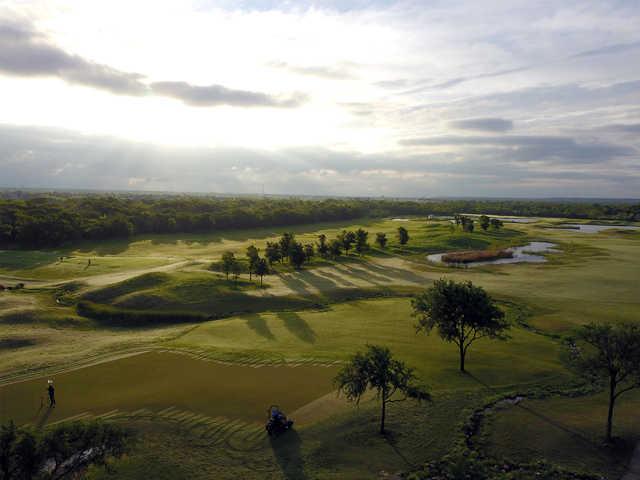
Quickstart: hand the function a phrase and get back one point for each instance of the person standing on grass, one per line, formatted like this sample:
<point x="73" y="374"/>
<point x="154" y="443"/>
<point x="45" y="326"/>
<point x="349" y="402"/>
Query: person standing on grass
<point x="52" y="394"/>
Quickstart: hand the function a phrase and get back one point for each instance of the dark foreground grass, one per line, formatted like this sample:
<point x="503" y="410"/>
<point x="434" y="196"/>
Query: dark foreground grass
<point x="568" y="432"/>
<point x="346" y="446"/>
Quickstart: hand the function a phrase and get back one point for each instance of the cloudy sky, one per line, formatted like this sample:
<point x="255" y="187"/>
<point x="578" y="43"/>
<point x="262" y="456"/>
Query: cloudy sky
<point x="354" y="97"/>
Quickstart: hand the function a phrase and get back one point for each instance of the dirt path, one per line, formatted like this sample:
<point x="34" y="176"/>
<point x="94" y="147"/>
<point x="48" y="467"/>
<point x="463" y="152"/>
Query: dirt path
<point x="634" y="465"/>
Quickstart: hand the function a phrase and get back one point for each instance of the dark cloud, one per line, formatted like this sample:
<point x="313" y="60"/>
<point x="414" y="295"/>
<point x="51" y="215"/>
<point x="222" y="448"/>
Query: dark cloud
<point x="212" y="95"/>
<point x="608" y="50"/>
<point x="483" y="124"/>
<point x="25" y="52"/>
<point x="531" y="148"/>
<point x="626" y="128"/>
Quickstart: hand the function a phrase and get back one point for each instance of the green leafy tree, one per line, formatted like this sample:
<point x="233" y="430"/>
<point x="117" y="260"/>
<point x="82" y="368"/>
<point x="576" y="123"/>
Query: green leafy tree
<point x="361" y="241"/>
<point x="229" y="263"/>
<point x="496" y="224"/>
<point x="286" y="243"/>
<point x="309" y="251"/>
<point x="484" y="222"/>
<point x="252" y="256"/>
<point x="335" y="248"/>
<point x="296" y="255"/>
<point x="323" y="248"/>
<point x="381" y="239"/>
<point x="461" y="312"/>
<point x="376" y="369"/>
<point x="609" y="355"/>
<point x="262" y="268"/>
<point x="403" y="235"/>
<point x="236" y="269"/>
<point x="347" y="239"/>
<point x="272" y="252"/>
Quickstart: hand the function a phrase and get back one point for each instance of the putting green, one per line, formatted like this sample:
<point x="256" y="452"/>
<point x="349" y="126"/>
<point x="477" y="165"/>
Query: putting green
<point x="158" y="380"/>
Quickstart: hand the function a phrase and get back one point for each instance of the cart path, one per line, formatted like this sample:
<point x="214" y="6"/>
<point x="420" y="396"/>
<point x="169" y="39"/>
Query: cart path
<point x="634" y="465"/>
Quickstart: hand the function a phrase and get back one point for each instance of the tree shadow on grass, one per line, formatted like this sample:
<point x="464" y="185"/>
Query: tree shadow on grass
<point x="295" y="284"/>
<point x="42" y="420"/>
<point x="560" y="426"/>
<point x="338" y="279"/>
<point x="258" y="324"/>
<point x="320" y="282"/>
<point x="398" y="273"/>
<point x="286" y="449"/>
<point x="298" y="326"/>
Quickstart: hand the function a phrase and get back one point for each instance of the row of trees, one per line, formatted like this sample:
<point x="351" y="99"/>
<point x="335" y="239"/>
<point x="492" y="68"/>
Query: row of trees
<point x="467" y="224"/>
<point x="462" y="313"/>
<point x="53" y="220"/>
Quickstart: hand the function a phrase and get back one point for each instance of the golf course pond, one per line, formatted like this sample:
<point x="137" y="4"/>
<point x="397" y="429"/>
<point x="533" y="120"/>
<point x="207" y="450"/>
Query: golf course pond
<point x="159" y="380"/>
<point x="525" y="254"/>
<point x="587" y="228"/>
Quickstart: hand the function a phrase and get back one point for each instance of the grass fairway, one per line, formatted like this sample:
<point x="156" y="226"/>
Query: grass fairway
<point x="336" y="333"/>
<point x="157" y="381"/>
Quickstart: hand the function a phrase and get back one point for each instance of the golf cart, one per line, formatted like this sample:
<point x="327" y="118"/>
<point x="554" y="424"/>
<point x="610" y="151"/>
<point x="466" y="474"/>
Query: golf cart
<point x="277" y="421"/>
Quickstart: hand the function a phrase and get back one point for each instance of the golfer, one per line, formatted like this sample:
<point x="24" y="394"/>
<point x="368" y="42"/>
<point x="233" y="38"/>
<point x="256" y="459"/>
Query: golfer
<point x="52" y="394"/>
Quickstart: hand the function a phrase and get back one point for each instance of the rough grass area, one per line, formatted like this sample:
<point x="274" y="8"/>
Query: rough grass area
<point x="568" y="432"/>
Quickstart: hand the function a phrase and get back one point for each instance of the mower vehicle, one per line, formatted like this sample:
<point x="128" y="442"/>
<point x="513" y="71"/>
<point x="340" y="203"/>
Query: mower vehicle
<point x="277" y="421"/>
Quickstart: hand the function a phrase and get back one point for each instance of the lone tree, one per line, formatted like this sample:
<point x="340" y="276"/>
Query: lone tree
<point x="347" y="239"/>
<point x="376" y="369"/>
<point x="309" y="251"/>
<point x="229" y="263"/>
<point x="484" y="222"/>
<point x="608" y="354"/>
<point x="252" y="256"/>
<point x="323" y="248"/>
<point x="286" y="242"/>
<point x="361" y="241"/>
<point x="335" y="248"/>
<point x="381" y="239"/>
<point x="496" y="223"/>
<point x="272" y="252"/>
<point x="65" y="451"/>
<point x="262" y="268"/>
<point x="296" y="255"/>
<point x="462" y="313"/>
<point x="403" y="235"/>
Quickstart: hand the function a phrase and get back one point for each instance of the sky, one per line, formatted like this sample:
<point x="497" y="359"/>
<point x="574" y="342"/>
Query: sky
<point x="513" y="98"/>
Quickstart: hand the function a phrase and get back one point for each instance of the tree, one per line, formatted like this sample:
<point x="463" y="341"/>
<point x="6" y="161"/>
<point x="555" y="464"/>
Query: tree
<point x="403" y="235"/>
<point x="252" y="255"/>
<point x="262" y="268"/>
<point x="62" y="452"/>
<point x="347" y="239"/>
<point x="296" y="254"/>
<point x="272" y="252"/>
<point x="467" y="224"/>
<point x="484" y="222"/>
<point x="228" y="263"/>
<point x="361" y="241"/>
<point x="236" y="269"/>
<point x="309" y="251"/>
<point x="609" y="354"/>
<point x="496" y="223"/>
<point x="376" y="369"/>
<point x="323" y="248"/>
<point x="461" y="312"/>
<point x="335" y="248"/>
<point x="286" y="242"/>
<point x="381" y="239"/>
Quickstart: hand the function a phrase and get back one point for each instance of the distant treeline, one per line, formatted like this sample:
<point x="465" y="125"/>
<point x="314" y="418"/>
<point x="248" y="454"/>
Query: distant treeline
<point x="55" y="220"/>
